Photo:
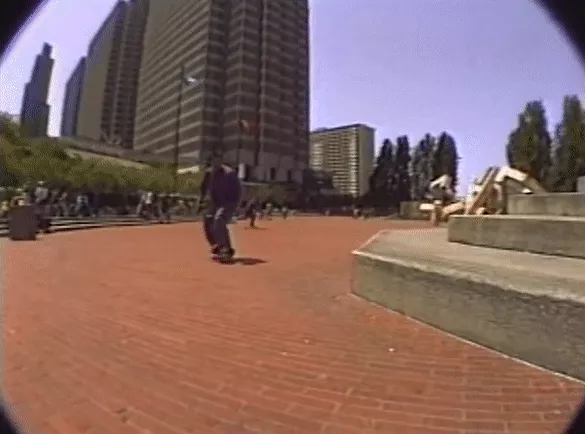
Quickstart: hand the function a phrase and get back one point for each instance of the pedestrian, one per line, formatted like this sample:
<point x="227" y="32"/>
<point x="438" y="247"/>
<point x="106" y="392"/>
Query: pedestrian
<point x="220" y="193"/>
<point x="140" y="205"/>
<point x="62" y="204"/>
<point x="4" y="208"/>
<point x="165" y="208"/>
<point x="252" y="212"/>
<point x="148" y="205"/>
<point x="42" y="201"/>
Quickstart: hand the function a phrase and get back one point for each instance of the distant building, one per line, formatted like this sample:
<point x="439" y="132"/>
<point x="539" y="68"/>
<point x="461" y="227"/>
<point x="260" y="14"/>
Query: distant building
<point x="347" y="154"/>
<point x="108" y="97"/>
<point x="253" y="61"/>
<point x="34" y="115"/>
<point x="72" y="100"/>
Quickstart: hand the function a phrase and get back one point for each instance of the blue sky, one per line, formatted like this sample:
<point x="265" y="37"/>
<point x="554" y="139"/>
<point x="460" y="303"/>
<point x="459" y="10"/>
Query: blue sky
<point x="402" y="66"/>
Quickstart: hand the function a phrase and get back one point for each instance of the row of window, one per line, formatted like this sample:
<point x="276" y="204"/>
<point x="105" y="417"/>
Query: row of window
<point x="196" y="35"/>
<point x="246" y="96"/>
<point x="178" y="22"/>
<point x="213" y="28"/>
<point x="230" y="120"/>
<point x="206" y="48"/>
<point x="245" y="66"/>
<point x="269" y="137"/>
<point x="165" y="94"/>
<point x="164" y="111"/>
<point x="152" y="72"/>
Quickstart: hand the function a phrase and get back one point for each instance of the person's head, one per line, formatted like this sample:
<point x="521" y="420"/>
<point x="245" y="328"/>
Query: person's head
<point x="215" y="160"/>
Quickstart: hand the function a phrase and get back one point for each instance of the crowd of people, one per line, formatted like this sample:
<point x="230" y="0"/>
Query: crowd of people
<point x="51" y="203"/>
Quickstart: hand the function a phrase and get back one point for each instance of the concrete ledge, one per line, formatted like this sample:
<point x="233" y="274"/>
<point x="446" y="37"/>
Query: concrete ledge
<point x="549" y="235"/>
<point x="528" y="306"/>
<point x="551" y="204"/>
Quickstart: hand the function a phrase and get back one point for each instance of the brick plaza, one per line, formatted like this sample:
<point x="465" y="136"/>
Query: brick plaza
<point x="136" y="330"/>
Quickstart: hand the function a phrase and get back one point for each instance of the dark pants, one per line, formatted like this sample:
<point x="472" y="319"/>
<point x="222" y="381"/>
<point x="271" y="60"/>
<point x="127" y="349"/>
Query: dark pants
<point x="215" y="225"/>
<point x="165" y="214"/>
<point x="43" y="217"/>
<point x="251" y="214"/>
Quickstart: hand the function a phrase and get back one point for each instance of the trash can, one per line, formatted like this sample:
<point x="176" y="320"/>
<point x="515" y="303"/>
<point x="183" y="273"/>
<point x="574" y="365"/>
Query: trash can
<point x="23" y="223"/>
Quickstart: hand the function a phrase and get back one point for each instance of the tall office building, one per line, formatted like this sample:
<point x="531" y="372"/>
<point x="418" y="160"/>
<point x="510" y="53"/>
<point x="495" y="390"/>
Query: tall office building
<point x="347" y="154"/>
<point x="34" y="114"/>
<point x="250" y="58"/>
<point x="108" y="98"/>
<point x="72" y="99"/>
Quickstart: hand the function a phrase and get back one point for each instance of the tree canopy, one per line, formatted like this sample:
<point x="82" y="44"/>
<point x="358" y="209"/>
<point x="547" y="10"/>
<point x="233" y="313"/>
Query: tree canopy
<point x="529" y="145"/>
<point x="381" y="188"/>
<point x="402" y="170"/>
<point x="23" y="162"/>
<point x="446" y="159"/>
<point x="568" y="154"/>
<point x="402" y="174"/>
<point x="558" y="161"/>
<point x="422" y="166"/>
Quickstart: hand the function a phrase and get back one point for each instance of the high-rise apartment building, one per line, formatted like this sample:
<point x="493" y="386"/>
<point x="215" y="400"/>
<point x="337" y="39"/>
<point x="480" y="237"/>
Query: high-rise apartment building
<point x="34" y="114"/>
<point x="250" y="58"/>
<point x="72" y="99"/>
<point x="108" y="98"/>
<point x="347" y="154"/>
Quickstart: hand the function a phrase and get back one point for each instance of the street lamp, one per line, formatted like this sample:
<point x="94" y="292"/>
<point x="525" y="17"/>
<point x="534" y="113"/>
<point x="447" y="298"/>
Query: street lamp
<point x="183" y="80"/>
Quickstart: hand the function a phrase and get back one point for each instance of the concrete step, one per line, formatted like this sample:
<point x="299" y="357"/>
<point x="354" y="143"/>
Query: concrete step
<point x="524" y="305"/>
<point x="553" y="204"/>
<point x="549" y="235"/>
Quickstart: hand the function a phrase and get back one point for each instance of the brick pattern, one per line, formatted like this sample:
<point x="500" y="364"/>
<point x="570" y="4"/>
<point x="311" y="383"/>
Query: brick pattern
<point x="137" y="331"/>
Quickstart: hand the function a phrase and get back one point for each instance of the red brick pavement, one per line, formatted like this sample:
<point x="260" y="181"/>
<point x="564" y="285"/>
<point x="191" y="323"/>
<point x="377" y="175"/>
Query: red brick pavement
<point x="137" y="331"/>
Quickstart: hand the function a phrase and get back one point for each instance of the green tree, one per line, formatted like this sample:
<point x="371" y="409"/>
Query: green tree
<point x="11" y="132"/>
<point x="22" y="160"/>
<point x="79" y="175"/>
<point x="104" y="176"/>
<point x="11" y="174"/>
<point x="402" y="170"/>
<point x="422" y="167"/>
<point x="446" y="159"/>
<point x="190" y="183"/>
<point x="568" y="160"/>
<point x="382" y="185"/>
<point x="529" y="145"/>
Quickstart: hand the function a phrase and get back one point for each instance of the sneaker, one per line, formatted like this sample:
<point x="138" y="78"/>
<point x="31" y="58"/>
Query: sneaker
<point x="227" y="253"/>
<point x="215" y="250"/>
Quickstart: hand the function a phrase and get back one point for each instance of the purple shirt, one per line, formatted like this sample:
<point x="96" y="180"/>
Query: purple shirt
<point x="222" y="185"/>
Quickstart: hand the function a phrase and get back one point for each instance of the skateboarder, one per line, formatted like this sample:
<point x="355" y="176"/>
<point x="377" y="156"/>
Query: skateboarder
<point x="221" y="190"/>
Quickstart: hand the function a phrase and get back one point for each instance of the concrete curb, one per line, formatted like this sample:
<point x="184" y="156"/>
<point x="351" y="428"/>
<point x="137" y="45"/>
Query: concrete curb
<point x="547" y="235"/>
<point x="531" y="307"/>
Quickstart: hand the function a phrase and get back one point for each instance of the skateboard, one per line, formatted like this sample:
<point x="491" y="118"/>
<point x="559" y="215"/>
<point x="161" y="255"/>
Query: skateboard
<point x="223" y="259"/>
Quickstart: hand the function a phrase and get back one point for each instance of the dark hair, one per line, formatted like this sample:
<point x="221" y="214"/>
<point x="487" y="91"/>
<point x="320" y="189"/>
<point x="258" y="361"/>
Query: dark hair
<point x="216" y="153"/>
